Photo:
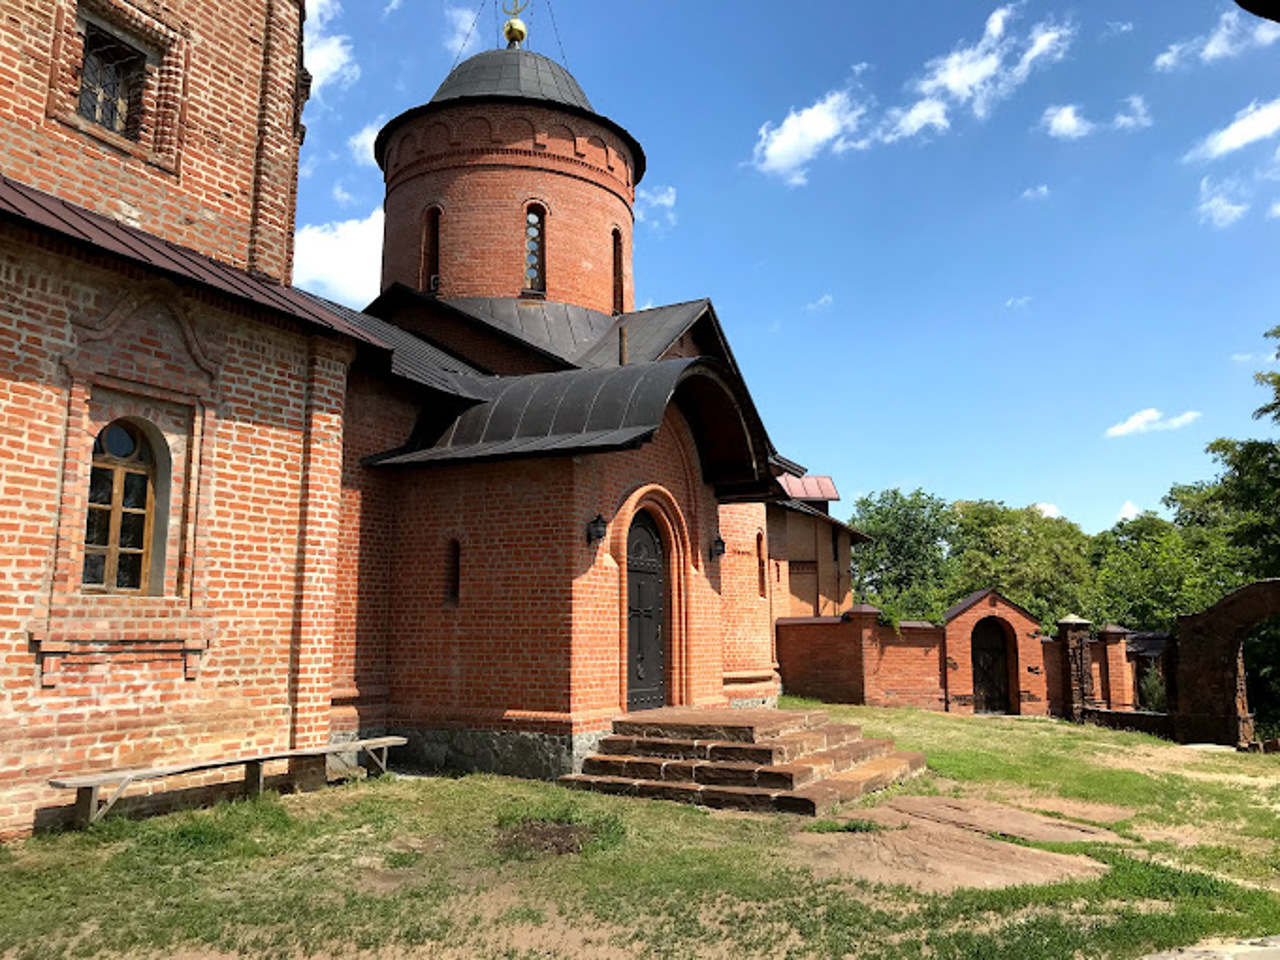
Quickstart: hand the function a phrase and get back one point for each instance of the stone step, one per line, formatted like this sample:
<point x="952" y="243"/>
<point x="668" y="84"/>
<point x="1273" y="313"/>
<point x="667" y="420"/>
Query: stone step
<point x="783" y="748"/>
<point x="738" y="726"/>
<point x="810" y="799"/>
<point x="703" y="772"/>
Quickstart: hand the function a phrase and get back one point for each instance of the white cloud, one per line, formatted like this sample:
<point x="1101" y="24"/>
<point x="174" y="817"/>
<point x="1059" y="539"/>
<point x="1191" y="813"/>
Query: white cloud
<point x="1232" y="36"/>
<point x="1129" y="511"/>
<point x="308" y="166"/>
<point x="821" y="303"/>
<point x="391" y="7"/>
<point x="1274" y="212"/>
<point x="907" y="123"/>
<point x="1151" y="419"/>
<point x="1221" y="204"/>
<point x="1065" y="122"/>
<point x="1036" y="193"/>
<point x="341" y="195"/>
<point x="1117" y="28"/>
<point x="657" y="206"/>
<point x="329" y="57"/>
<point x="1049" y="510"/>
<point x="361" y="144"/>
<point x="1136" y="118"/>
<point x="1017" y="303"/>
<point x="341" y="260"/>
<point x="1257" y="121"/>
<point x="787" y="149"/>
<point x="1255" y="357"/>
<point x="460" y="36"/>
<point x="992" y="69"/>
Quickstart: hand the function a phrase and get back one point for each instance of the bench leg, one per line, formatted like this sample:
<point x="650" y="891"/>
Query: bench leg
<point x="379" y="757"/>
<point x="253" y="778"/>
<point x="86" y="806"/>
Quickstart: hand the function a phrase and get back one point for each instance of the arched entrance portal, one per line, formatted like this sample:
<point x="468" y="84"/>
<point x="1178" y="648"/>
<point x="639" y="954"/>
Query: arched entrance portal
<point x="646" y="616"/>
<point x="989" y="647"/>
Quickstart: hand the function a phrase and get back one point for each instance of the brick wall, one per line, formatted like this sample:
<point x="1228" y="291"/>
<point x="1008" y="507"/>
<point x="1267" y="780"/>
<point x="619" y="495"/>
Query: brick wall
<point x="822" y="657"/>
<point x="245" y="414"/>
<point x="905" y="668"/>
<point x="214" y="167"/>
<point x="482" y="166"/>
<point x="1028" y="692"/>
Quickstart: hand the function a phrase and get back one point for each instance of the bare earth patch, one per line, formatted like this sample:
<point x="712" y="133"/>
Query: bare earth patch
<point x="1075" y="809"/>
<point x="944" y="851"/>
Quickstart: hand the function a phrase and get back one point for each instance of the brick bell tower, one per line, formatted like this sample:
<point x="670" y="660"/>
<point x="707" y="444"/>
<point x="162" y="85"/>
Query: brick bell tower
<point x="508" y="184"/>
<point x="181" y="118"/>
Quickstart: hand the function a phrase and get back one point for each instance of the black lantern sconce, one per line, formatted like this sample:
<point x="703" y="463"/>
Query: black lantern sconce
<point x="717" y="547"/>
<point x="596" y="529"/>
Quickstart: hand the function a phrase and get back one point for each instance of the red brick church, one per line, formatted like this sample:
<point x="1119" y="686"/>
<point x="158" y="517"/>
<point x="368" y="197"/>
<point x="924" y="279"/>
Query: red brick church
<point x="491" y="512"/>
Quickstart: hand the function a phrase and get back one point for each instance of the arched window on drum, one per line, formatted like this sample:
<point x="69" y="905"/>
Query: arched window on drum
<point x="535" y="249"/>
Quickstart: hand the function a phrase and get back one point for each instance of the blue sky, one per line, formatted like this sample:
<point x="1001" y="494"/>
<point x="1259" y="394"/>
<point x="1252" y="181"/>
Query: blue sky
<point x="1021" y="252"/>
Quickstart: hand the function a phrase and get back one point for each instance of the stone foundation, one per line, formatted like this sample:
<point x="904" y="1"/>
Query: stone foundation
<point x="755" y="703"/>
<point x="514" y="753"/>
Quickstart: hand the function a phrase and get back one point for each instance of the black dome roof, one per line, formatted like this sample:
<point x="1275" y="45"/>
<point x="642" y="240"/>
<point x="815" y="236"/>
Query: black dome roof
<point x="505" y="76"/>
<point x="513" y="73"/>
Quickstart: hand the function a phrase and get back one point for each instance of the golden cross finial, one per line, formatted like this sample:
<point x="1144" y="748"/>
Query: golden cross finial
<point x="513" y="8"/>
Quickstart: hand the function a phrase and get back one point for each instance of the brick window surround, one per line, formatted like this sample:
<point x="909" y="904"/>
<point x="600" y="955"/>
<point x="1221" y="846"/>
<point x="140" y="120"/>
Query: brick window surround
<point x="85" y="33"/>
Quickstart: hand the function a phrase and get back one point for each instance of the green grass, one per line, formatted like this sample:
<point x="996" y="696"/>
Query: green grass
<point x="425" y="864"/>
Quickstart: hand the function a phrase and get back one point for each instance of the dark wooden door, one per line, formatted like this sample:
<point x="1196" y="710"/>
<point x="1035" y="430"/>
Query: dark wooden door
<point x="990" y="668"/>
<point x="646" y="616"/>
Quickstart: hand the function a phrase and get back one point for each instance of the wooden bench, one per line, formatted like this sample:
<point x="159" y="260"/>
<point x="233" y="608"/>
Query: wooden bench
<point x="90" y="807"/>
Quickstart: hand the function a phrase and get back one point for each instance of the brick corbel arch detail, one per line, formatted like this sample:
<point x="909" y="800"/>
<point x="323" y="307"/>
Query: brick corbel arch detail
<point x="665" y="510"/>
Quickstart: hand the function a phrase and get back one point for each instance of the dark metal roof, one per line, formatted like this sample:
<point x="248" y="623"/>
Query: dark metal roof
<point x="513" y="73"/>
<point x="558" y="413"/>
<point x="1148" y="643"/>
<point x="592" y="411"/>
<point x="506" y="76"/>
<point x="650" y="333"/>
<point x="979" y="595"/>
<point x="50" y="214"/>
<point x="564" y="330"/>
<point x="799" y="506"/>
<point x="414" y="358"/>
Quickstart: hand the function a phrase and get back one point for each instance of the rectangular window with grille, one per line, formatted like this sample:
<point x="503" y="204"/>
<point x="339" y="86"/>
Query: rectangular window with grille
<point x="112" y="76"/>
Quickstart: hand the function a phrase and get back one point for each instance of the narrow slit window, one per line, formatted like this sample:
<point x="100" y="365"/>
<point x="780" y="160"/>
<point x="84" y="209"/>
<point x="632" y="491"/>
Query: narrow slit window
<point x="617" y="272"/>
<point x="762" y="569"/>
<point x="112" y="75"/>
<point x="121" y="511"/>
<point x="535" y="250"/>
<point x="431" y="251"/>
<point x="453" y="574"/>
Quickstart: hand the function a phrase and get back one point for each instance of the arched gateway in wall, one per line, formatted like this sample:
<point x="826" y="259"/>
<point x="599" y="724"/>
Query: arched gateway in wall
<point x="991" y="666"/>
<point x="1211" y="704"/>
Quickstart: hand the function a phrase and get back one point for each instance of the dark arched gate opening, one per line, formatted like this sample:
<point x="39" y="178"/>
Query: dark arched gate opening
<point x="646" y="616"/>
<point x="989" y="649"/>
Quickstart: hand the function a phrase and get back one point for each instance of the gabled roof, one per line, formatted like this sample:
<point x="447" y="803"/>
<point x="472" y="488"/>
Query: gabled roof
<point x="564" y="330"/>
<point x="48" y="214"/>
<point x="980" y="595"/>
<point x="810" y="488"/>
<point x="799" y="506"/>
<point x="412" y="357"/>
<point x="650" y="333"/>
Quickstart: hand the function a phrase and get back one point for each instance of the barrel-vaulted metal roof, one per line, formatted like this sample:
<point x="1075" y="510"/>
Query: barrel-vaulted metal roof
<point x="597" y="410"/>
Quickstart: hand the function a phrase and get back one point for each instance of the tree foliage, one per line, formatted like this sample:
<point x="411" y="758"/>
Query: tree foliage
<point x="904" y="569"/>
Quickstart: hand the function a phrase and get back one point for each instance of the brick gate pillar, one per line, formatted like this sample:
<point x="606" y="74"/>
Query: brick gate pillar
<point x="1077" y="678"/>
<point x="1120" y="693"/>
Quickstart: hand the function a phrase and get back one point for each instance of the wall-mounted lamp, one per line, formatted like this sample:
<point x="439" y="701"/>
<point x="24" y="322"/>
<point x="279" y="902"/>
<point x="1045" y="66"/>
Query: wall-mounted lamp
<point x="717" y="547"/>
<point x="596" y="529"/>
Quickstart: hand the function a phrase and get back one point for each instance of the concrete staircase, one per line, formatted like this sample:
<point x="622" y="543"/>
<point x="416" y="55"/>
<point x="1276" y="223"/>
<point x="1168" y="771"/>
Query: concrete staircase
<point x="762" y="760"/>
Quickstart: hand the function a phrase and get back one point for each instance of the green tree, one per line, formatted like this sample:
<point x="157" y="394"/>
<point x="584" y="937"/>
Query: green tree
<point x="1039" y="562"/>
<point x="1150" y="570"/>
<point x="903" y="570"/>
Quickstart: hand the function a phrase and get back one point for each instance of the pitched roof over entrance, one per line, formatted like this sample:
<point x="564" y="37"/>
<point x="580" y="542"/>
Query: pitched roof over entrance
<point x="979" y="596"/>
